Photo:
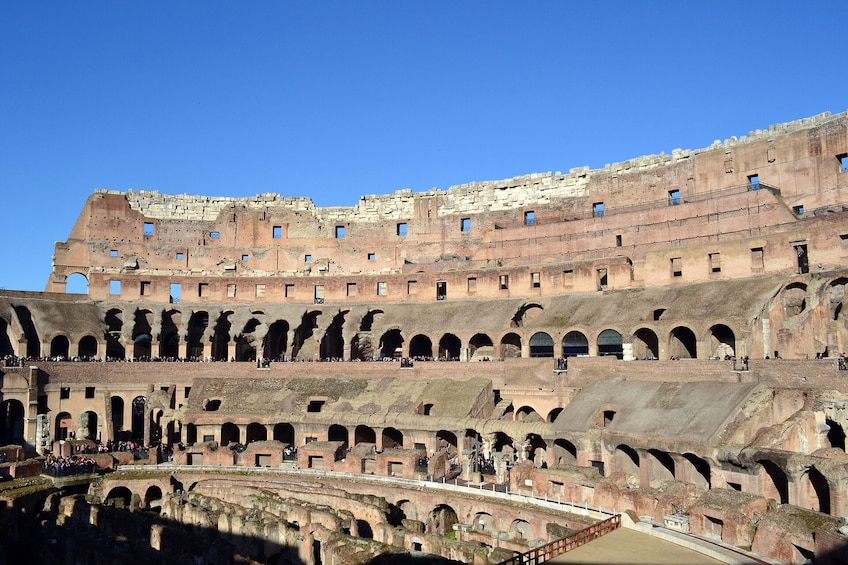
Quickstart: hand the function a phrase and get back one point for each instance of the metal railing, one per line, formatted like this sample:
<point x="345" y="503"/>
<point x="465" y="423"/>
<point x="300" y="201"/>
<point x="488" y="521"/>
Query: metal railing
<point x="550" y="550"/>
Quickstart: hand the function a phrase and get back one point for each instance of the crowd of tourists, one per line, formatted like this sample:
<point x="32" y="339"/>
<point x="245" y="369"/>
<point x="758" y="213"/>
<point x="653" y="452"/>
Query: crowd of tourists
<point x="71" y="465"/>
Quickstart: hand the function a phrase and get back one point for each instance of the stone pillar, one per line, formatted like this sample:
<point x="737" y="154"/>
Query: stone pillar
<point x="231" y="350"/>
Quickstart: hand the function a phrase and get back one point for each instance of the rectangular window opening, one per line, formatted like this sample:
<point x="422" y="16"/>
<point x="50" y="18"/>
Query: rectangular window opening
<point x="148" y="228"/>
<point x="754" y="182"/>
<point x="441" y="290"/>
<point x="64" y="393"/>
<point x="715" y="262"/>
<point x="307" y="258"/>
<point x="113" y="253"/>
<point x="231" y="291"/>
<point x="372" y="256"/>
<point x="798" y="210"/>
<point x="340" y="232"/>
<point x="602" y="279"/>
<point x="89" y="392"/>
<point x="598" y="210"/>
<point x="676" y="266"/>
<point x="472" y="284"/>
<point x="757" y="259"/>
<point x="174" y="292"/>
<point x="536" y="280"/>
<point x="412" y="287"/>
<point x="260" y="291"/>
<point x="618" y="240"/>
<point x="289" y="290"/>
<point x="843" y="242"/>
<point x="568" y="278"/>
<point x="277" y="232"/>
<point x="180" y="255"/>
<point x="203" y="290"/>
<point x="114" y="287"/>
<point x="503" y="282"/>
<point x="351" y="289"/>
<point x="530" y="218"/>
<point x="402" y="228"/>
<point x="381" y="289"/>
<point x="245" y="258"/>
<point x="318" y="294"/>
<point x="144" y="288"/>
<point x="215" y="234"/>
<point x="843" y="162"/>
<point x="465" y="225"/>
<point x="673" y="197"/>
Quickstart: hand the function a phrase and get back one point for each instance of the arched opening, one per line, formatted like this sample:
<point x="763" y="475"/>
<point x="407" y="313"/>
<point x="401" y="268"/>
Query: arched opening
<point x="195" y="338"/>
<point x="610" y="343"/>
<point x="87" y="348"/>
<point x="363" y="528"/>
<point x="33" y="346"/>
<point x="118" y="497"/>
<point x="117" y="404"/>
<point x="138" y="407"/>
<point x="697" y="471"/>
<point x="284" y="433"/>
<point x="392" y="438"/>
<point x="835" y="296"/>
<point x="156" y="427"/>
<point x="221" y="336"/>
<point x="722" y="342"/>
<point x="276" y="341"/>
<point x="169" y="336"/>
<point x="817" y="491"/>
<point x="483" y="522"/>
<point x="59" y="346"/>
<point x="446" y="441"/>
<point x="527" y="414"/>
<point x="153" y="499"/>
<point x="87" y="426"/>
<point x="391" y="344"/>
<point x="114" y="323"/>
<point x="794" y="299"/>
<point x="661" y="468"/>
<point x="337" y="432"/>
<point x="775" y="482"/>
<point x="191" y="434"/>
<point x="835" y="434"/>
<point x="256" y="432"/>
<point x="141" y="336"/>
<point x="646" y="345"/>
<point x="541" y="345"/>
<point x="511" y="346"/>
<point x="5" y="342"/>
<point x="552" y="415"/>
<point x="449" y="347"/>
<point x="480" y="347"/>
<point x="11" y="422"/>
<point x="364" y="434"/>
<point x="520" y="529"/>
<point x="565" y="452"/>
<point x="420" y="347"/>
<point x="627" y="462"/>
<point x="304" y="346"/>
<point x="575" y="344"/>
<point x="442" y="519"/>
<point x="64" y="426"/>
<point x="247" y="341"/>
<point x="681" y="343"/>
<point x="76" y="283"/>
<point x="230" y="434"/>
<point x="332" y="344"/>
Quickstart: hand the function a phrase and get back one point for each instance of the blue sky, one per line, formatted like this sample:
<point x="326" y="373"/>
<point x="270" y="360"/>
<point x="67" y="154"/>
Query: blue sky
<point x="334" y="100"/>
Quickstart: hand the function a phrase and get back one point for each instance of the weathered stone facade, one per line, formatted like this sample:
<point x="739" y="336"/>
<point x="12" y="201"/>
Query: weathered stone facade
<point x="662" y="335"/>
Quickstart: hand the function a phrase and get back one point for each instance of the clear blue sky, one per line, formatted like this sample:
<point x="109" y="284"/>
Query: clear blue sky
<point x="334" y="100"/>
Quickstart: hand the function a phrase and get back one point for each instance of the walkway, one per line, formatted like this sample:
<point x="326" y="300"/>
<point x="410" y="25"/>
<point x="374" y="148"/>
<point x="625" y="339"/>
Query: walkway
<point x="629" y="547"/>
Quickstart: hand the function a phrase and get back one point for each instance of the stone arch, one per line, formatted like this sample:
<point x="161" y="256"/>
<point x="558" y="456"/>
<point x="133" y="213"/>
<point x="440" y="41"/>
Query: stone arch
<point x="246" y="341"/>
<point x="661" y="467"/>
<point x="142" y="334"/>
<point x="627" y="462"/>
<point x="520" y="529"/>
<point x="87" y="347"/>
<point x="511" y="346"/>
<point x="835" y="434"/>
<point x="117" y="405"/>
<point x="682" y="343"/>
<point x="284" y="432"/>
<point x="392" y="438"/>
<point x="230" y="433"/>
<point x="76" y="283"/>
<point x="198" y="323"/>
<point x="525" y="312"/>
<point x="391" y="344"/>
<point x="646" y="344"/>
<point x="564" y="452"/>
<point x="332" y="342"/>
<point x="119" y="497"/>
<point x="575" y="344"/>
<point x="33" y="346"/>
<point x="441" y="520"/>
<point x="114" y="321"/>
<point x="793" y="298"/>
<point x="337" y="432"/>
<point x="364" y="529"/>
<point x="480" y="346"/>
<point x="153" y="498"/>
<point x="59" y="347"/>
<point x="169" y="336"/>
<point x="816" y="490"/>
<point x="256" y="432"/>
<point x="11" y="422"/>
<point x="275" y="345"/>
<point x="87" y="425"/>
<point x="836" y="294"/>
<point x="368" y="319"/>
<point x="364" y="434"/>
<point x="552" y="415"/>
<point x="420" y="347"/>
<point x="221" y="336"/>
<point x="449" y="347"/>
<point x="775" y="483"/>
<point x="722" y="342"/>
<point x="446" y="441"/>
<point x="541" y="345"/>
<point x="5" y="342"/>
<point x="696" y="471"/>
<point x="483" y="522"/>
<point x="527" y="414"/>
<point x="610" y="343"/>
<point x="64" y="427"/>
<point x="139" y="405"/>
